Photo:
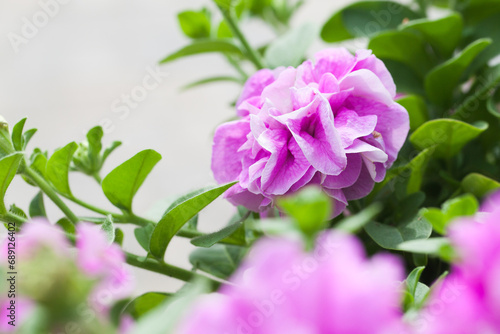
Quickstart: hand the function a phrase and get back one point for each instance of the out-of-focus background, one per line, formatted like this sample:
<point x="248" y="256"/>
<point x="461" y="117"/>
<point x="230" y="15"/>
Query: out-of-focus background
<point x="76" y="70"/>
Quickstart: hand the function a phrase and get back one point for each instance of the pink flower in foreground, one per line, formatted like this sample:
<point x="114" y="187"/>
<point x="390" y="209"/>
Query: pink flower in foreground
<point x="97" y="258"/>
<point x="13" y="316"/>
<point x="468" y="301"/>
<point x="282" y="289"/>
<point x="333" y="123"/>
<point x="35" y="235"/>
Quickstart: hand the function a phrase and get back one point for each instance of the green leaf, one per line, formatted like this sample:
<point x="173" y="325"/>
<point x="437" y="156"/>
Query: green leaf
<point x="225" y="4"/>
<point x="390" y="237"/>
<point x="443" y="34"/>
<point x="8" y="169"/>
<point x="441" y="3"/>
<point x="223" y="31"/>
<point x="109" y="229"/>
<point x="17" y="211"/>
<point x="145" y="303"/>
<point x="487" y="28"/>
<point x="415" y="105"/>
<point x="405" y="78"/>
<point x="143" y="235"/>
<point x="67" y="225"/>
<point x="365" y="19"/>
<point x="441" y="82"/>
<point x="87" y="157"/>
<point x="477" y="10"/>
<point x="446" y="136"/>
<point x="274" y="227"/>
<point x="257" y="7"/>
<point x="421" y="293"/>
<point x="430" y="246"/>
<point x="109" y="150"/>
<point x="27" y="137"/>
<point x="37" y="208"/>
<point x="310" y="208"/>
<point x="354" y="223"/>
<point x="19" y="139"/>
<point x="208" y="240"/>
<point x="94" y="138"/>
<point x="122" y="183"/>
<point x="204" y="46"/>
<point x="173" y="220"/>
<point x="195" y="24"/>
<point x="119" y="237"/>
<point x="193" y="222"/>
<point x="408" y="208"/>
<point x="416" y="291"/>
<point x="479" y="185"/>
<point x="413" y="279"/>
<point x="290" y="48"/>
<point x="486" y="80"/>
<point x="493" y="104"/>
<point x="437" y="219"/>
<point x="165" y="317"/>
<point x="211" y="80"/>
<point x="410" y="174"/>
<point x="39" y="162"/>
<point x="418" y="166"/>
<point x="219" y="260"/>
<point x="57" y="169"/>
<point x="404" y="47"/>
<point x="17" y="135"/>
<point x="465" y="205"/>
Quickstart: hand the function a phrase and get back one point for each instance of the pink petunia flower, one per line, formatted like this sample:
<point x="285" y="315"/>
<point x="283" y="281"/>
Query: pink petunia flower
<point x="282" y="289"/>
<point x="36" y="234"/>
<point x="332" y="123"/>
<point x="97" y="258"/>
<point x="468" y="300"/>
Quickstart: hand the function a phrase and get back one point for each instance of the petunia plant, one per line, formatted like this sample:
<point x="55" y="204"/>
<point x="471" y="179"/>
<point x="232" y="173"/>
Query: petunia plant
<point x="364" y="180"/>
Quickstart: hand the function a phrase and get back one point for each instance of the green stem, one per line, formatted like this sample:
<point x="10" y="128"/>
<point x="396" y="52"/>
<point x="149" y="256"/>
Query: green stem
<point x="133" y="219"/>
<point x="166" y="269"/>
<point x="97" y="177"/>
<point x="252" y="54"/>
<point x="237" y="67"/>
<point x="136" y="220"/>
<point x="160" y="267"/>
<point x="47" y="189"/>
<point x="189" y="234"/>
<point x="90" y="206"/>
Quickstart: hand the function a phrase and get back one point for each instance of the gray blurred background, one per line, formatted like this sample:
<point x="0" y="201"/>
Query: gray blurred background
<point x="71" y="74"/>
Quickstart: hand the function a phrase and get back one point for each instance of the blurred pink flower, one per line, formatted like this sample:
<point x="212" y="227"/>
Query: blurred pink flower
<point x="468" y="300"/>
<point x="36" y="234"/>
<point x="282" y="289"/>
<point x="97" y="258"/>
<point x="17" y="313"/>
<point x="333" y="123"/>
